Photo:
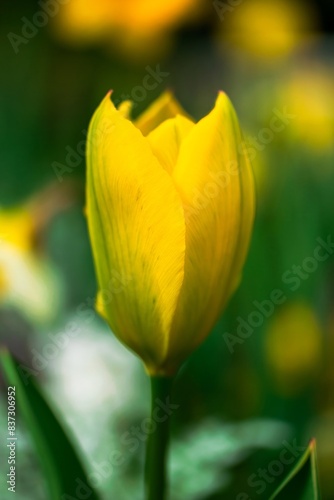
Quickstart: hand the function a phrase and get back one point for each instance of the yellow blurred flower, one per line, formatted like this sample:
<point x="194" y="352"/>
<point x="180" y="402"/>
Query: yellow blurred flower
<point x="17" y="228"/>
<point x="293" y="348"/>
<point x="3" y="283"/>
<point x="16" y="235"/>
<point x="309" y="95"/>
<point x="268" y="30"/>
<point x="28" y="281"/>
<point x="134" y="25"/>
<point x="170" y="209"/>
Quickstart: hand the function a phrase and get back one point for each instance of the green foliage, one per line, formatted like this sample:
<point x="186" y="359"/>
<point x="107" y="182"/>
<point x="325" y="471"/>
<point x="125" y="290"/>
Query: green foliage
<point x="62" y="468"/>
<point x="302" y="482"/>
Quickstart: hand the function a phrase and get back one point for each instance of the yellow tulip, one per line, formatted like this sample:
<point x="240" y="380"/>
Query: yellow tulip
<point x="17" y="228"/>
<point x="293" y="348"/>
<point x="28" y="280"/>
<point x="268" y="30"/>
<point x="308" y="93"/>
<point x="134" y="26"/>
<point x="170" y="207"/>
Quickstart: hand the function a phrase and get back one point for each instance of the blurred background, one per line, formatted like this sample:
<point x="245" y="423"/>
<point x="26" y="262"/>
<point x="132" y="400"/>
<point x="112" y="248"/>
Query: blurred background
<point x="265" y="376"/>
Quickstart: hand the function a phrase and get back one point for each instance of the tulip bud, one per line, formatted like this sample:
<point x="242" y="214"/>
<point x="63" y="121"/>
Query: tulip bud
<point x="170" y="206"/>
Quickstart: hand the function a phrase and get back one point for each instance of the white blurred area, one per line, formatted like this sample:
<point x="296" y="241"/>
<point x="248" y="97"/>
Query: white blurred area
<point x="95" y="382"/>
<point x="212" y="448"/>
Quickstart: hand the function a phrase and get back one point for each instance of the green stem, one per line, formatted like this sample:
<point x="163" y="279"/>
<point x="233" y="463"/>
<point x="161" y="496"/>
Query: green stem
<point x="157" y="445"/>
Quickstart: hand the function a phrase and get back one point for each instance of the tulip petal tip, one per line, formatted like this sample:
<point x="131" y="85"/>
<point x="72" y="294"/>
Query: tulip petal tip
<point x="222" y="95"/>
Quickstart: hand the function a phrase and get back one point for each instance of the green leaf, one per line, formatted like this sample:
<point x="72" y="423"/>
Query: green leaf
<point x="302" y="482"/>
<point x="63" y="471"/>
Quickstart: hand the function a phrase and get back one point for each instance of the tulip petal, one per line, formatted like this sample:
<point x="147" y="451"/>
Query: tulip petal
<point x="212" y="177"/>
<point x="138" y="242"/>
<point x="163" y="108"/>
<point x="247" y="217"/>
<point x="125" y="108"/>
<point x="165" y="140"/>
